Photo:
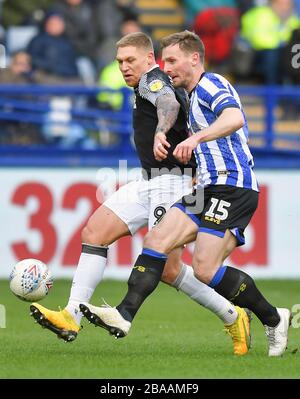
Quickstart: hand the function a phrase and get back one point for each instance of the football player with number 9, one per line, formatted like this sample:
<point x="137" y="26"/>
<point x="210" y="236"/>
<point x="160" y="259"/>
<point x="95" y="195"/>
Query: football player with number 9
<point x="159" y="122"/>
<point x="219" y="209"/>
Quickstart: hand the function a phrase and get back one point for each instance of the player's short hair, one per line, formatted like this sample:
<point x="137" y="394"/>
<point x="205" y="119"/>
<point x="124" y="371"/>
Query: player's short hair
<point x="188" y="42"/>
<point x="136" y="39"/>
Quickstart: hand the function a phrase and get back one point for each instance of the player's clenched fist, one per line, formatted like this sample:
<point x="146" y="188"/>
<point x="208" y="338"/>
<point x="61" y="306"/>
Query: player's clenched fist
<point x="159" y="146"/>
<point x="184" y="150"/>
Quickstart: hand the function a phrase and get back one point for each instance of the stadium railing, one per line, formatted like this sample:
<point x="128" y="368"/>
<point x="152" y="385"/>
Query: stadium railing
<point x="272" y="114"/>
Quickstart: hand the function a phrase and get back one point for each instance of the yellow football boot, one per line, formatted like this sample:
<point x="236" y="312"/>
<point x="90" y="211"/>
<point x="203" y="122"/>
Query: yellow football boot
<point x="240" y="332"/>
<point x="61" y="322"/>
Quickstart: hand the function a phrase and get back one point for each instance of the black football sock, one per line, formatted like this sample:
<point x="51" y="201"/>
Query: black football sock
<point x="143" y="280"/>
<point x="239" y="288"/>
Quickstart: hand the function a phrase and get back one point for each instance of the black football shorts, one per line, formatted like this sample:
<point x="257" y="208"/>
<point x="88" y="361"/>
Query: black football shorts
<point x="217" y="208"/>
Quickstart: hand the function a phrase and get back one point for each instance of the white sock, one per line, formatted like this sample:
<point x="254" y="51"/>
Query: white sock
<point x="204" y="295"/>
<point x="87" y="276"/>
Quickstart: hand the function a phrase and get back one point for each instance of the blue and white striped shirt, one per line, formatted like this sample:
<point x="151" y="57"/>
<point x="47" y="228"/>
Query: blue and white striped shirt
<point x="227" y="160"/>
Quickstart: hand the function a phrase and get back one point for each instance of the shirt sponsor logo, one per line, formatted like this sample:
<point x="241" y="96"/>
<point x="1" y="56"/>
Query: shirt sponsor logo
<point x="223" y="172"/>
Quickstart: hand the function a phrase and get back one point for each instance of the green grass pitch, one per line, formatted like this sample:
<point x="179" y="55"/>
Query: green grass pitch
<point x="171" y="337"/>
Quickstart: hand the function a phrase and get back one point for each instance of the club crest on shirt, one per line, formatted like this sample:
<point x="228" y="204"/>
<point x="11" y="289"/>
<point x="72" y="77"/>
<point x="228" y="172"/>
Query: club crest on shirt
<point x="156" y="85"/>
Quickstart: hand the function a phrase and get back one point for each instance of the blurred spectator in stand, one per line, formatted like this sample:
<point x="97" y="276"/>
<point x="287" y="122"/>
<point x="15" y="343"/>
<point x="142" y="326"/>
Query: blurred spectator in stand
<point x="81" y="31"/>
<point x="19" y="69"/>
<point x="193" y="7"/>
<point x="111" y="76"/>
<point x="79" y="28"/>
<point x="218" y="28"/>
<point x="266" y="30"/>
<point x="52" y="53"/>
<point x="109" y="15"/>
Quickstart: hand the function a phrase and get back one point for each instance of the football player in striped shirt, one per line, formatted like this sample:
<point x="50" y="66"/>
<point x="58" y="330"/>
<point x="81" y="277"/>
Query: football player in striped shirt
<point x="221" y="205"/>
<point x="159" y="120"/>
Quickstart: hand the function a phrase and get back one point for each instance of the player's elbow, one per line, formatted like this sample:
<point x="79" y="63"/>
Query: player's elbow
<point x="174" y="106"/>
<point x="235" y="120"/>
<point x="239" y="120"/>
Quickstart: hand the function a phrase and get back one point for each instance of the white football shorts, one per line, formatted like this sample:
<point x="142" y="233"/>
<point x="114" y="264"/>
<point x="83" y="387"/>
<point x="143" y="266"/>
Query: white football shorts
<point x="143" y="202"/>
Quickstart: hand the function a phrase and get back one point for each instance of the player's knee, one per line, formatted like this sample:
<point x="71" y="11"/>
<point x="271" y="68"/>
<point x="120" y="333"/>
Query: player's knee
<point x="154" y="240"/>
<point x="205" y="276"/>
<point x="92" y="237"/>
<point x="204" y="267"/>
<point x="170" y="272"/>
<point x="87" y="235"/>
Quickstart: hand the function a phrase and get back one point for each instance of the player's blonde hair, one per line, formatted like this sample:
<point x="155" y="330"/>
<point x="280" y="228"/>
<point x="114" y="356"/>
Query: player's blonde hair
<point x="188" y="42"/>
<point x="136" y="39"/>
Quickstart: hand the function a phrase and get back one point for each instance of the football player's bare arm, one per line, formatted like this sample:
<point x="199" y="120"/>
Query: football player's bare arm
<point x="167" y="112"/>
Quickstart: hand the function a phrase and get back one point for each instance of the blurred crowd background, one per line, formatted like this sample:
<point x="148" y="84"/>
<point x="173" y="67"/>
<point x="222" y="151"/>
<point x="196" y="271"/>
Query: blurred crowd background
<point x="72" y="43"/>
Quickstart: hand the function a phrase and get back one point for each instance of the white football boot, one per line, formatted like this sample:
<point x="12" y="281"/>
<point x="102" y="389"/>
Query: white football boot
<point x="106" y="317"/>
<point x="278" y="336"/>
